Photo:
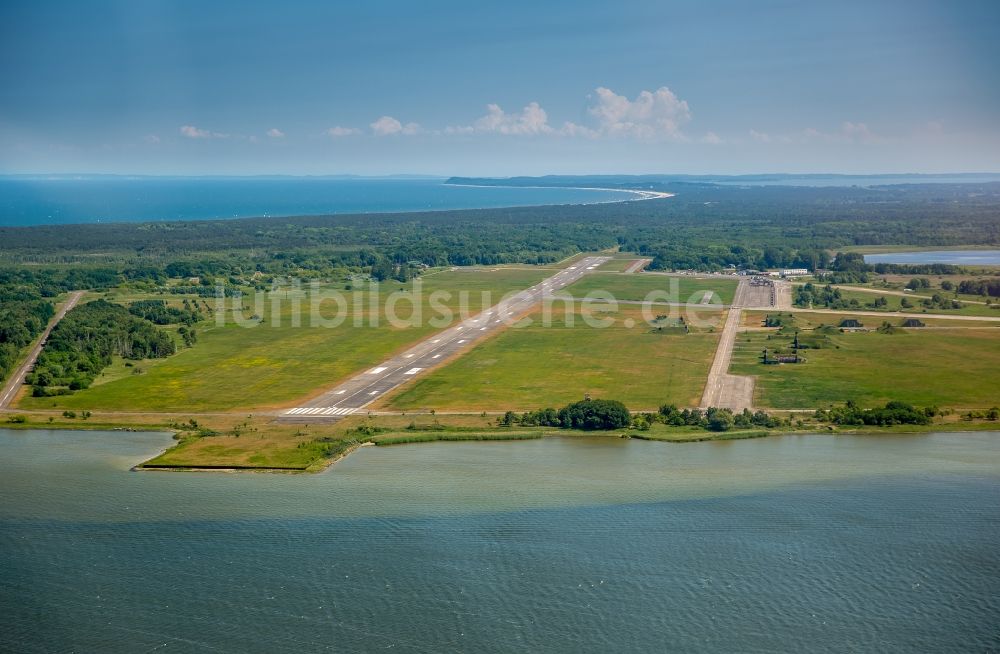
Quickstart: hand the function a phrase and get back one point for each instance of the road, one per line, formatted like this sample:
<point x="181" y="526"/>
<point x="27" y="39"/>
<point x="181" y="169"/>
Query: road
<point x="885" y="291"/>
<point x="361" y="390"/>
<point x="16" y="380"/>
<point x="636" y="266"/>
<point x="723" y="390"/>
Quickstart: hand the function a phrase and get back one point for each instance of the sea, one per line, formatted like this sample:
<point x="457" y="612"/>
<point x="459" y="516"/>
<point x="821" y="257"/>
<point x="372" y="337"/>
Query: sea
<point x="68" y="200"/>
<point x="798" y="543"/>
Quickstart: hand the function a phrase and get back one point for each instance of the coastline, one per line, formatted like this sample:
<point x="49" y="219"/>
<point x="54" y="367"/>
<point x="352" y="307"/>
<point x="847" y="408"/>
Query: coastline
<point x="642" y="195"/>
<point x="399" y="437"/>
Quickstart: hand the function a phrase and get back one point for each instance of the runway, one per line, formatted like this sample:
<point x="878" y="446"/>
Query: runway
<point x="361" y="390"/>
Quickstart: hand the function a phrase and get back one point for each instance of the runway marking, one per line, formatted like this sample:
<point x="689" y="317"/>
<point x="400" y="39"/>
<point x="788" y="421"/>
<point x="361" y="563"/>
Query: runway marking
<point x="374" y="393"/>
<point x="375" y="371"/>
<point x="438" y="340"/>
<point x="462" y="341"/>
<point x="408" y="356"/>
<point x="320" y="411"/>
<point x="435" y="356"/>
<point x="338" y="411"/>
<point x="482" y="329"/>
<point x="340" y="392"/>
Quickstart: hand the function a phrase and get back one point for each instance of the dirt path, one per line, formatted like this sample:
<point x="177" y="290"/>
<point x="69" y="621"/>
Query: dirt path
<point x="16" y="380"/>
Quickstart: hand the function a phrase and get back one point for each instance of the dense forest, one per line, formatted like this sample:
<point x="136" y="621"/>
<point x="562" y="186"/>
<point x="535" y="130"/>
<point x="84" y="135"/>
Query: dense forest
<point x="703" y="227"/>
<point x="84" y="342"/>
<point x="23" y="316"/>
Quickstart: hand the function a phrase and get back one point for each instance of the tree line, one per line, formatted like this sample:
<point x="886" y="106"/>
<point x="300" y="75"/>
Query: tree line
<point x="86" y="339"/>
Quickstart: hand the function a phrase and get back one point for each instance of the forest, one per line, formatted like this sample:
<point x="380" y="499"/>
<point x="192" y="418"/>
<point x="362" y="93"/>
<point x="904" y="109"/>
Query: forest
<point x="84" y="342"/>
<point x="703" y="226"/>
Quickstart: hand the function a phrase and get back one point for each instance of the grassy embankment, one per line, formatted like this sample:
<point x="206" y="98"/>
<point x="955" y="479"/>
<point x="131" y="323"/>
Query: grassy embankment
<point x="536" y="367"/>
<point x="950" y="365"/>
<point x="239" y="369"/>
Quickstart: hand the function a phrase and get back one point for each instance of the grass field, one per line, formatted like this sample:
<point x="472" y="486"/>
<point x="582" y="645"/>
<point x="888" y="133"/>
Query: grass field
<point x="944" y="366"/>
<point x="864" y="298"/>
<point x="638" y="286"/>
<point x="235" y="368"/>
<point x="537" y="367"/>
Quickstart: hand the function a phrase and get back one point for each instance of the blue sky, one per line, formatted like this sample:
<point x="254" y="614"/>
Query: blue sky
<point x="509" y="88"/>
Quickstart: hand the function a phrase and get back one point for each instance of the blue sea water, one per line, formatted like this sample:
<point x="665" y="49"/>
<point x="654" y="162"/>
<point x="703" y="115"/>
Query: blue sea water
<point x="791" y="544"/>
<point x="40" y="201"/>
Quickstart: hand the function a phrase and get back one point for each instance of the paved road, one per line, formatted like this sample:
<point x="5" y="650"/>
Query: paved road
<point x="636" y="266"/>
<point x="727" y="391"/>
<point x="358" y="392"/>
<point x="17" y="379"/>
<point x="899" y="314"/>
<point x="885" y="291"/>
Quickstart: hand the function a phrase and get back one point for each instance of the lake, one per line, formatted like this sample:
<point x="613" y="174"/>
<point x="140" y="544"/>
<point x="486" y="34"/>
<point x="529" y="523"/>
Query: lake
<point x="795" y="543"/>
<point x="41" y="201"/>
<point x="957" y="257"/>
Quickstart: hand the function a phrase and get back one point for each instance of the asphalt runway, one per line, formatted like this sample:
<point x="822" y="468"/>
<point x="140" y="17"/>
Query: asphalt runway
<point x="361" y="390"/>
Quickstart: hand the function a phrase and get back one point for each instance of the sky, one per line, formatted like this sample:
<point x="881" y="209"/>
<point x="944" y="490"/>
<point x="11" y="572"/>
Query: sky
<point x="489" y="88"/>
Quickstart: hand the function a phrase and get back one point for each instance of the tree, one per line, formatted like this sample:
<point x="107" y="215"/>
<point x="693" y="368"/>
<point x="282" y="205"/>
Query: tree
<point x="720" y="419"/>
<point x="595" y="414"/>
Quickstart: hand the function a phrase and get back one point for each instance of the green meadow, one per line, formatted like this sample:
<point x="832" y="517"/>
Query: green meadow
<point x="638" y="286"/>
<point x="537" y="366"/>
<point x="951" y="366"/>
<point x="273" y="363"/>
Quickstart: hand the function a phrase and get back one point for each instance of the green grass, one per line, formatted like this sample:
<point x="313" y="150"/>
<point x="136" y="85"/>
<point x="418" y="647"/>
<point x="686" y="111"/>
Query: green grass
<point x="234" y="368"/>
<point x="946" y="367"/>
<point x="538" y="366"/>
<point x="638" y="286"/>
<point x="893" y="304"/>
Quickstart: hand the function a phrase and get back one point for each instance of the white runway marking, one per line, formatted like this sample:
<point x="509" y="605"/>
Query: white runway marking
<point x="408" y="356"/>
<point x="340" y="392"/>
<point x="482" y="329"/>
<point x="436" y="341"/>
<point x="462" y="341"/>
<point x="435" y="356"/>
<point x="319" y="411"/>
<point x="413" y="371"/>
<point x="374" y="393"/>
<point x="375" y="371"/>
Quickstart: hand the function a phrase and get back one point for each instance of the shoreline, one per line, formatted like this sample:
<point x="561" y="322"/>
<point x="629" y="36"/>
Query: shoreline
<point x="638" y="195"/>
<point x="642" y="195"/>
<point x="673" y="438"/>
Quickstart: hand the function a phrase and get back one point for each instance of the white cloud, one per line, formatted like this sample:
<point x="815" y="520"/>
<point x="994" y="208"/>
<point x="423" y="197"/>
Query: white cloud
<point x="531" y="120"/>
<point x="275" y="133"/>
<point x="857" y="132"/>
<point x="193" y="132"/>
<point x="387" y="126"/>
<point x="712" y="138"/>
<point x="338" y="131"/>
<point x="572" y="129"/>
<point x="151" y="138"/>
<point x="652" y="115"/>
<point x="761" y="137"/>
